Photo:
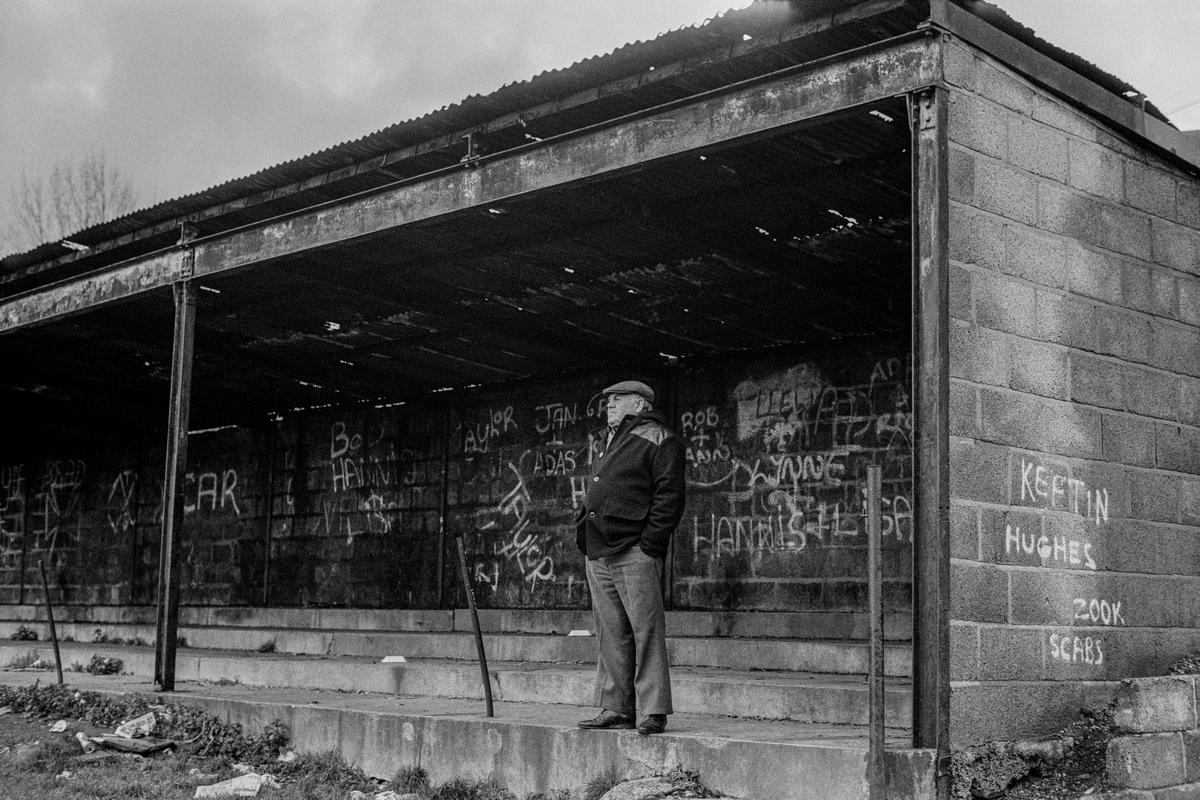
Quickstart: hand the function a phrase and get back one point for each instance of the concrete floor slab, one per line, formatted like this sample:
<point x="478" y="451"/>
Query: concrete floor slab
<point x="537" y="747"/>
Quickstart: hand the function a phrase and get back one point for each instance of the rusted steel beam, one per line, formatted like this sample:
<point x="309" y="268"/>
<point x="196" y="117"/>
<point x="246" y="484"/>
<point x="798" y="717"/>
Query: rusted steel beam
<point x="931" y="329"/>
<point x="850" y="79"/>
<point x="127" y="279"/>
<point x="177" y="439"/>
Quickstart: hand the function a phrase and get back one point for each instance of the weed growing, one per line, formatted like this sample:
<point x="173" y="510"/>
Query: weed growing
<point x="687" y="783"/>
<point x="104" y="665"/>
<point x="465" y="789"/>
<point x="1188" y="665"/>
<point x="598" y="786"/>
<point x="412" y="780"/>
<point x="24" y="634"/>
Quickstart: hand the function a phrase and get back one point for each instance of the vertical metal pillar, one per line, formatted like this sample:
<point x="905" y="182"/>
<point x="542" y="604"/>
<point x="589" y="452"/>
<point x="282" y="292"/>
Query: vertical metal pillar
<point x="876" y="775"/>
<point x="26" y="540"/>
<point x="167" y="626"/>
<point x="272" y="450"/>
<point x="443" y="510"/>
<point x="668" y="587"/>
<point x="931" y="322"/>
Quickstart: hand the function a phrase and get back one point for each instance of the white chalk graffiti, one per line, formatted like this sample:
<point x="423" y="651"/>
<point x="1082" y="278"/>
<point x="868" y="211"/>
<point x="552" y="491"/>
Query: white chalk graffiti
<point x="478" y="437"/>
<point x="519" y="548"/>
<point x="362" y="480"/>
<point x="1052" y="550"/>
<point x="12" y="512"/>
<point x="554" y="416"/>
<point x="120" y="501"/>
<point x="211" y="492"/>
<point x="794" y="480"/>
<point x="1057" y="491"/>
<point x="55" y="504"/>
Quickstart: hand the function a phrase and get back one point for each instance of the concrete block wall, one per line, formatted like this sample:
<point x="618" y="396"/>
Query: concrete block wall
<point x="1074" y="407"/>
<point x="1157" y="754"/>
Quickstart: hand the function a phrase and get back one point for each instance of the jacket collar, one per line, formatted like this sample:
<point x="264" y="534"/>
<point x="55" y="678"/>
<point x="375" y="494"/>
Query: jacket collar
<point x="653" y="415"/>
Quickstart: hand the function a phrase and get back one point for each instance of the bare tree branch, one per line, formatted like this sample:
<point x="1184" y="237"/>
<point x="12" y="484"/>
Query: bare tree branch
<point x="72" y="196"/>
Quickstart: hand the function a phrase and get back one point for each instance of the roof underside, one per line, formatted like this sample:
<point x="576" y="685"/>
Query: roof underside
<point x="798" y="238"/>
<point x="792" y="240"/>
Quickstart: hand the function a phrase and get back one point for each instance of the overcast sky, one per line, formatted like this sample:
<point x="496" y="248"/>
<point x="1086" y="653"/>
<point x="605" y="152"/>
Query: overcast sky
<point x="185" y="95"/>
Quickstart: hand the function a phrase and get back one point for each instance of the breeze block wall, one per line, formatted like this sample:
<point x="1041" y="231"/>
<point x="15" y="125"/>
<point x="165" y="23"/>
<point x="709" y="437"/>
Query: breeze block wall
<point x="1158" y="741"/>
<point x="1074" y="407"/>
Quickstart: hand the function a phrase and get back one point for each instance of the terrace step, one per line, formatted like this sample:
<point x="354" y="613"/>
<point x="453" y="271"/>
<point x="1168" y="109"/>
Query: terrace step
<point x="536" y="747"/>
<point x="806" y="697"/>
<point x="753" y="624"/>
<point x="836" y="656"/>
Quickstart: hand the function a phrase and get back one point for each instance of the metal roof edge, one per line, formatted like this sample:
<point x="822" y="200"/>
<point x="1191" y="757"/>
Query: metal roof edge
<point x="1068" y="83"/>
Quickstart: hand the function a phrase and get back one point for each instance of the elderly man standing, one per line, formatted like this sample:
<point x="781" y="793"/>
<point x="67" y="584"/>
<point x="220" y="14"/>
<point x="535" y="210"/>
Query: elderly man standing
<point x="634" y="500"/>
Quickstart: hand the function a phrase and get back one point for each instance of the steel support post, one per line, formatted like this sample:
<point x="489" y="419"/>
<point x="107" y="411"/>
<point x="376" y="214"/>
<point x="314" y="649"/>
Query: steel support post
<point x="876" y="770"/>
<point x="931" y="531"/>
<point x="172" y="503"/>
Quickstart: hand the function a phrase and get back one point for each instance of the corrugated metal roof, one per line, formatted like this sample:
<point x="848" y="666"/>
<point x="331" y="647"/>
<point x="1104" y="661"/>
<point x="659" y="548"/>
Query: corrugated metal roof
<point x="733" y="46"/>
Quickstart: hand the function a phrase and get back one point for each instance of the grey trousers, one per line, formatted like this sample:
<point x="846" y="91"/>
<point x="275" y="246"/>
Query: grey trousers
<point x="631" y="627"/>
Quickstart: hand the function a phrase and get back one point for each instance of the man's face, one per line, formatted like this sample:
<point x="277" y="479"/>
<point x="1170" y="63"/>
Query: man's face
<point x="619" y="406"/>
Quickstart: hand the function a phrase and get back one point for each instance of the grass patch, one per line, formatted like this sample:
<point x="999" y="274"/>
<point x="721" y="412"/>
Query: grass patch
<point x="465" y="789"/>
<point x="206" y="751"/>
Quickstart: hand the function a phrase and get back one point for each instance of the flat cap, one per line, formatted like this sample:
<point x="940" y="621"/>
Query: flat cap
<point x="631" y="387"/>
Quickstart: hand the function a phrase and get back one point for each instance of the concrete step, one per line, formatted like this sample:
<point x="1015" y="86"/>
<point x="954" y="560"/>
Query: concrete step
<point x="806" y="697"/>
<point x="802" y="655"/>
<point x="537" y="748"/>
<point x="752" y="624"/>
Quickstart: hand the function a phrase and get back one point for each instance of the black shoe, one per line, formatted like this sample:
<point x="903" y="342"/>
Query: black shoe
<point x="608" y="719"/>
<point x="652" y="723"/>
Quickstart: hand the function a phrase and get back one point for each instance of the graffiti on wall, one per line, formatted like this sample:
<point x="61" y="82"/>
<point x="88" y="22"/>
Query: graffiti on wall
<point x="787" y="472"/>
<point x="1053" y="488"/>
<point x="12" y="513"/>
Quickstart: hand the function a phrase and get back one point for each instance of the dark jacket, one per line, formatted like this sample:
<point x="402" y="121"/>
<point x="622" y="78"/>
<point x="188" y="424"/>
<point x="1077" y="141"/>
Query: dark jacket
<point x="635" y="490"/>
